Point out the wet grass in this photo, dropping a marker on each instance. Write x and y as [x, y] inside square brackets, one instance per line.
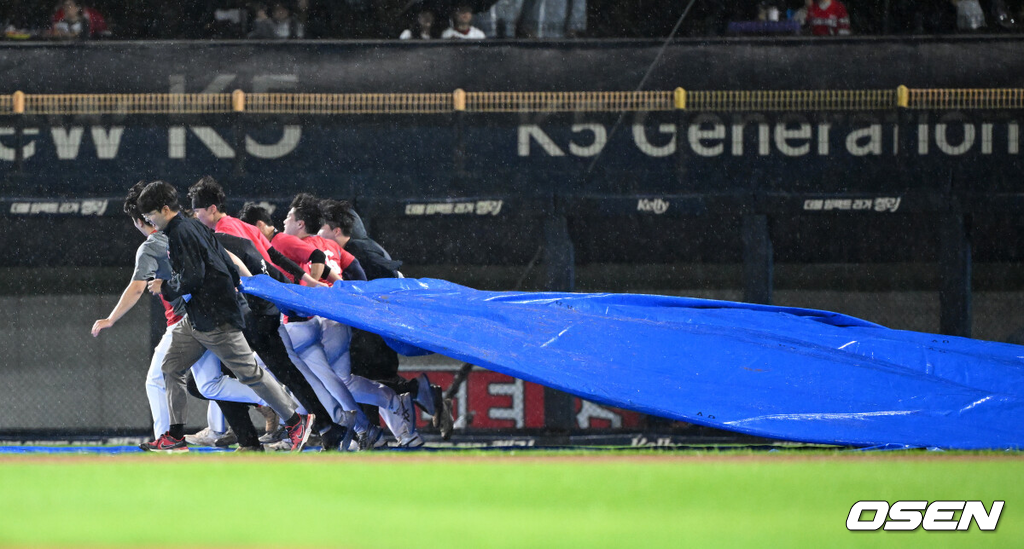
[734, 498]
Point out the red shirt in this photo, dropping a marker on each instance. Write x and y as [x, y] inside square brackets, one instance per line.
[97, 24]
[830, 21]
[293, 248]
[337, 259]
[236, 227]
[169, 312]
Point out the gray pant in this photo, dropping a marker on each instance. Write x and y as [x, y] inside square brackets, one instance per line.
[228, 343]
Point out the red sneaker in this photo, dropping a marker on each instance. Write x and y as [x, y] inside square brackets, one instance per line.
[300, 433]
[166, 443]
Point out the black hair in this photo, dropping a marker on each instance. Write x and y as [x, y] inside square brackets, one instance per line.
[156, 195]
[307, 210]
[131, 202]
[207, 192]
[417, 30]
[338, 215]
[253, 212]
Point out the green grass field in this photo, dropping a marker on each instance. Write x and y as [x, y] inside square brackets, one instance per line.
[488, 499]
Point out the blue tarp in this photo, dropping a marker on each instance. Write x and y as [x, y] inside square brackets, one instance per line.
[783, 373]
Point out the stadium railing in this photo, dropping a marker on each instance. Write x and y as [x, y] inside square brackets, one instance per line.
[510, 102]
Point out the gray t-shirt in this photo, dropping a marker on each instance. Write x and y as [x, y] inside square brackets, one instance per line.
[151, 258]
[151, 261]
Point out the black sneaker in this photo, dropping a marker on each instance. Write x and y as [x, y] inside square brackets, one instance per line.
[277, 435]
[446, 422]
[437, 395]
[336, 438]
[368, 439]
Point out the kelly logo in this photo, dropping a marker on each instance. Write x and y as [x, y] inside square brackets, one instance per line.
[936, 516]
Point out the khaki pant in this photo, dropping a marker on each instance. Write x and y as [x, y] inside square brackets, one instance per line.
[228, 343]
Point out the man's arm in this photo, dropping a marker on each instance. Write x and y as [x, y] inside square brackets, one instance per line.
[292, 268]
[354, 271]
[317, 263]
[286, 265]
[129, 298]
[330, 275]
[242, 269]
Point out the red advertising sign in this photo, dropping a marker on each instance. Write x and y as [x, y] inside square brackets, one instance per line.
[489, 400]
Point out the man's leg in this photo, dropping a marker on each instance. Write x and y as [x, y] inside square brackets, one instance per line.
[215, 417]
[372, 358]
[235, 413]
[229, 344]
[265, 339]
[182, 353]
[231, 348]
[305, 338]
[156, 392]
[398, 414]
[214, 384]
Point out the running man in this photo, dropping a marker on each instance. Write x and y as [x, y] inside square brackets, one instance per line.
[202, 269]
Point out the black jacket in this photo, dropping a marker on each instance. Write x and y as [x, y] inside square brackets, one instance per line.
[203, 270]
[251, 258]
[373, 258]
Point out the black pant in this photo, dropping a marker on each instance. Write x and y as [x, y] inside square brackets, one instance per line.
[372, 358]
[235, 413]
[261, 331]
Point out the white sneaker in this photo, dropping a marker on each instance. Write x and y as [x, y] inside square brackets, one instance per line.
[206, 437]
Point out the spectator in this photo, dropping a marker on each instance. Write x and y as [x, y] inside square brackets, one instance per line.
[227, 20]
[72, 22]
[1001, 16]
[279, 25]
[828, 18]
[501, 20]
[423, 29]
[301, 17]
[767, 11]
[801, 14]
[462, 25]
[553, 18]
[969, 15]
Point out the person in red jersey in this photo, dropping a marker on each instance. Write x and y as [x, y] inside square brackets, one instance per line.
[304, 333]
[267, 338]
[208, 205]
[310, 258]
[828, 18]
[304, 220]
